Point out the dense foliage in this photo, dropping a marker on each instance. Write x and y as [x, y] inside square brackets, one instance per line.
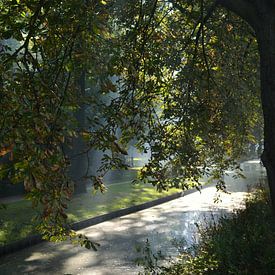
[177, 78]
[186, 96]
[43, 57]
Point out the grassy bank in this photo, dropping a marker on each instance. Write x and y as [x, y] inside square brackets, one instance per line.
[243, 243]
[16, 222]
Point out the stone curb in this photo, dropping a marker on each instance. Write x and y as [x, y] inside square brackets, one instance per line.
[35, 239]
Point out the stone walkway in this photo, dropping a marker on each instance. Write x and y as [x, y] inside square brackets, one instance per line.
[120, 237]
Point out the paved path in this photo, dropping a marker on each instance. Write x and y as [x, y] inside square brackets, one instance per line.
[119, 237]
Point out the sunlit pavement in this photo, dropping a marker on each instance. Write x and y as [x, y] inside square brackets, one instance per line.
[119, 238]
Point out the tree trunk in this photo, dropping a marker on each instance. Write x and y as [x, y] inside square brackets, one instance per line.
[265, 32]
[79, 161]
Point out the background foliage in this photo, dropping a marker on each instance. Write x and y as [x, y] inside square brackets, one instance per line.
[177, 78]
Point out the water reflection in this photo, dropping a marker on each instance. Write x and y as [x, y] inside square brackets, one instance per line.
[181, 230]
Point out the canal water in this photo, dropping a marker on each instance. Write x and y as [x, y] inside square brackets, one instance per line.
[169, 228]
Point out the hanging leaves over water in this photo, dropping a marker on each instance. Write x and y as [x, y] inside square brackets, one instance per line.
[177, 78]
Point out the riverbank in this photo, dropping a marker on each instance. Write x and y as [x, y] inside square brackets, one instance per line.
[119, 238]
[242, 243]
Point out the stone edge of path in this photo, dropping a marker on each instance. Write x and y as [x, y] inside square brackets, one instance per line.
[35, 239]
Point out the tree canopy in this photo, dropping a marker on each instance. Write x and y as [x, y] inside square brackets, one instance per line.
[180, 78]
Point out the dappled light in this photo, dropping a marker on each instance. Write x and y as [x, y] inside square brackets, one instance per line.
[140, 123]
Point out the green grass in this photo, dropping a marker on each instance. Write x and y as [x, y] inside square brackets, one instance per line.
[16, 221]
[117, 196]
